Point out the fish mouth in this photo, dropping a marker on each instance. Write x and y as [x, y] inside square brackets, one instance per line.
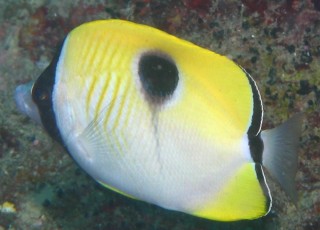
[24, 102]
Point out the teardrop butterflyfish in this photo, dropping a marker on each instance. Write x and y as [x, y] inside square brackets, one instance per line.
[162, 120]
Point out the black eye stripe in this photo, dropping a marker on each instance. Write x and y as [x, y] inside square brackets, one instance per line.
[42, 96]
[158, 75]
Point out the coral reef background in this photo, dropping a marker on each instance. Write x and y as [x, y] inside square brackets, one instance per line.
[276, 41]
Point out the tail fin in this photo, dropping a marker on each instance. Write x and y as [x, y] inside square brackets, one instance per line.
[280, 155]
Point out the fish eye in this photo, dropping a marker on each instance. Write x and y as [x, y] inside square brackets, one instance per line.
[40, 95]
[158, 74]
[43, 96]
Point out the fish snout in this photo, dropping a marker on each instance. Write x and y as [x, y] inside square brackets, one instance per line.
[24, 102]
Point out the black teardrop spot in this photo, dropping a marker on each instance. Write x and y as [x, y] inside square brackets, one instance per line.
[159, 76]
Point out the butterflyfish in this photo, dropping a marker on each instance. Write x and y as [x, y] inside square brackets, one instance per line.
[162, 120]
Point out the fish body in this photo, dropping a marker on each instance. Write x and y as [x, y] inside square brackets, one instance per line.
[159, 119]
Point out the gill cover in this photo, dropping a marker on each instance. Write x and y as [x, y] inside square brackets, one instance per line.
[159, 119]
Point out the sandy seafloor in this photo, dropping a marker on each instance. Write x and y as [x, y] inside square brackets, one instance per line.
[277, 41]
